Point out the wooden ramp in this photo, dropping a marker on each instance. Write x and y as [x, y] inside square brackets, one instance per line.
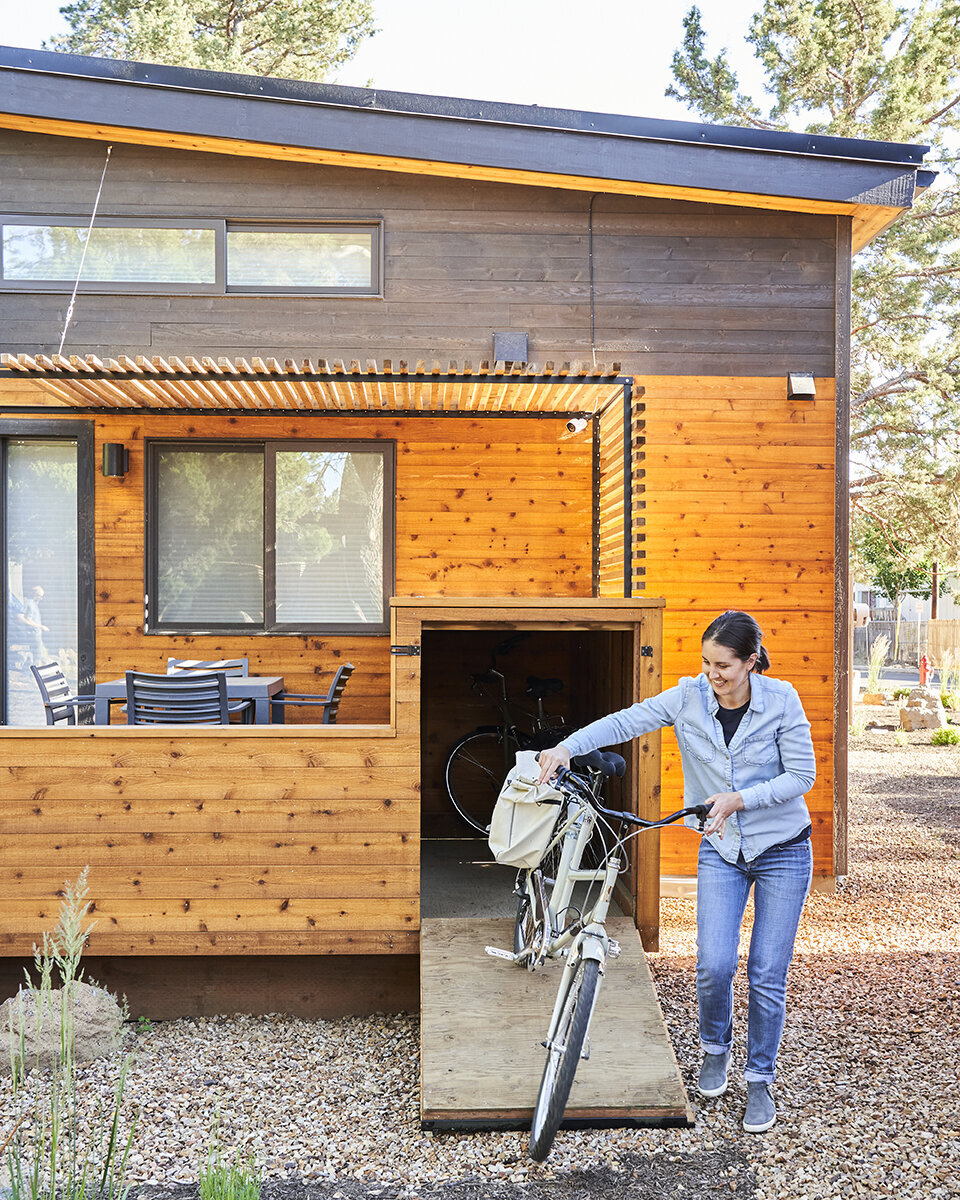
[483, 1019]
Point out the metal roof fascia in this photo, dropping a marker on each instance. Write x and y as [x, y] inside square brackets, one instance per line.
[371, 134]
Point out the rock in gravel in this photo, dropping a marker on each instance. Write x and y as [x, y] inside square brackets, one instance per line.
[34, 1021]
[923, 710]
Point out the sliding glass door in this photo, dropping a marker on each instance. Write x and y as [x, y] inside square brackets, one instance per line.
[47, 560]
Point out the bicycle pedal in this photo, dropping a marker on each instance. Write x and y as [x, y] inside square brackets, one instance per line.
[496, 952]
[614, 949]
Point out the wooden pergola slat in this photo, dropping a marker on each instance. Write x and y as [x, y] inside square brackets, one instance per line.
[266, 384]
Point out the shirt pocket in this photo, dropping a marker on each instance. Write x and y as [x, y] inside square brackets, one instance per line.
[696, 742]
[760, 750]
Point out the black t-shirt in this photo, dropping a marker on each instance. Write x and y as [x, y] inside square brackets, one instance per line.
[730, 719]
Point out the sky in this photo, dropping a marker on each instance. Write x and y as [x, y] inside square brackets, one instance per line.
[597, 55]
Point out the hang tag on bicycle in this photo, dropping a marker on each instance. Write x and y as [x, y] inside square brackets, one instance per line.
[496, 952]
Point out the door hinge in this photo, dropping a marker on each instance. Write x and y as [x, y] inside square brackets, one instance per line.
[646, 652]
[412, 651]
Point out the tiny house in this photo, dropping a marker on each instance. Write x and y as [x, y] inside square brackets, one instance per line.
[307, 375]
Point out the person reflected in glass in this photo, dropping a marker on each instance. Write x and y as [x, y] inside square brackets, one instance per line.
[32, 621]
[747, 754]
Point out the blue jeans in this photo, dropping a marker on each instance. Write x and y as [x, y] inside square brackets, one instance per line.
[781, 877]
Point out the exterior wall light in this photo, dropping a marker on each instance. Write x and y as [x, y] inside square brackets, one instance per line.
[800, 386]
[116, 459]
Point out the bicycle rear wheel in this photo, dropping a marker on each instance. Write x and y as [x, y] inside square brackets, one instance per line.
[563, 1057]
[474, 774]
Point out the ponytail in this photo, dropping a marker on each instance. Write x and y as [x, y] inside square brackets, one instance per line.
[739, 632]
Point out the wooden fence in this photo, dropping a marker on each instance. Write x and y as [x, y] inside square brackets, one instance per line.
[942, 637]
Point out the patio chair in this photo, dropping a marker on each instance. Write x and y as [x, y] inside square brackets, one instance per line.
[190, 699]
[330, 703]
[58, 703]
[234, 667]
[229, 666]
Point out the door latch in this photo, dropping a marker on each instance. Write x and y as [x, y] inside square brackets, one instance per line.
[412, 651]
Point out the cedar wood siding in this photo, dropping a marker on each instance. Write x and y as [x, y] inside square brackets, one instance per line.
[708, 307]
[680, 288]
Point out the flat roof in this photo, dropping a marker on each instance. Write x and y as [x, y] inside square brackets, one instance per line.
[75, 95]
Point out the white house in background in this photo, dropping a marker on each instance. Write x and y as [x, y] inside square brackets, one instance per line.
[881, 607]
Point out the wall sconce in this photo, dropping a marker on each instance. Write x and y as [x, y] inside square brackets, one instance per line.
[116, 459]
[800, 386]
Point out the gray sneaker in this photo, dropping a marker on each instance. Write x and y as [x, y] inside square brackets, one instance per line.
[761, 1111]
[713, 1074]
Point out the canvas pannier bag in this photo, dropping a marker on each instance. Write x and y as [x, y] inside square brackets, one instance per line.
[524, 815]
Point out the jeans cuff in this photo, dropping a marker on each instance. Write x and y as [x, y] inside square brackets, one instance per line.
[759, 1076]
[713, 1048]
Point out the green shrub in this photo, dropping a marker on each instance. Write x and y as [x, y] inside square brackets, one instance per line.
[950, 699]
[858, 727]
[900, 737]
[946, 737]
[232, 1180]
[901, 693]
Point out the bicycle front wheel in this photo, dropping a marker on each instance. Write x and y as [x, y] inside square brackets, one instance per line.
[563, 1057]
[474, 774]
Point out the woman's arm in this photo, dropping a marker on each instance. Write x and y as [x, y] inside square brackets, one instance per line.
[796, 755]
[614, 730]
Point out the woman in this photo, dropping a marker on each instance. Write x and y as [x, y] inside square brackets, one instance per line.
[747, 753]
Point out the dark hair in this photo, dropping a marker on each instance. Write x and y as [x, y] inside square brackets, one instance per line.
[739, 632]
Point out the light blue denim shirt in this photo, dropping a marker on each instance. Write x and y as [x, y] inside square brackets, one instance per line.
[769, 761]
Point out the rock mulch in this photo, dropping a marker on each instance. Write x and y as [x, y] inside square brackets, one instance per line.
[868, 1071]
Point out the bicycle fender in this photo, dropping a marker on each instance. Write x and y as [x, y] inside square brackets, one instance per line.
[594, 946]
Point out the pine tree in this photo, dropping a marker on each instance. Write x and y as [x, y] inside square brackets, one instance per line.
[873, 69]
[300, 39]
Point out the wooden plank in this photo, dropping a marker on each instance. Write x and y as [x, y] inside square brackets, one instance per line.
[332, 881]
[173, 945]
[200, 914]
[479, 1013]
[70, 852]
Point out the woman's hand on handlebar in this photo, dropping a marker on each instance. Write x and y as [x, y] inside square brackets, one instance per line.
[721, 805]
[551, 761]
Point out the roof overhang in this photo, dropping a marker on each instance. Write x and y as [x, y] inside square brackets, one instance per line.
[235, 385]
[145, 104]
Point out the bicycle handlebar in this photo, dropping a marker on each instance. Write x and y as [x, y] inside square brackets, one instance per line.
[583, 790]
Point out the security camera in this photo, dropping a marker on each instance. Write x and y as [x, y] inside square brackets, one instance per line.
[576, 425]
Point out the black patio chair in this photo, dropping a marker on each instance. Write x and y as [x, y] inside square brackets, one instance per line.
[58, 702]
[193, 699]
[330, 703]
[232, 667]
[229, 666]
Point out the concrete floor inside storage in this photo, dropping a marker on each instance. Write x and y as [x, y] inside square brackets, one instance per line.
[458, 878]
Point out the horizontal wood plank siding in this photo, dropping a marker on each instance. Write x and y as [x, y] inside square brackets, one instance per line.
[738, 510]
[213, 845]
[678, 287]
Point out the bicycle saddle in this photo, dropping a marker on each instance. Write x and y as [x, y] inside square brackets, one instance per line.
[540, 688]
[604, 761]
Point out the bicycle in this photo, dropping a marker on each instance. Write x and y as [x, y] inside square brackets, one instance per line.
[552, 926]
[478, 762]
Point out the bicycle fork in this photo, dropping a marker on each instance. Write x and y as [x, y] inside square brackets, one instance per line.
[591, 943]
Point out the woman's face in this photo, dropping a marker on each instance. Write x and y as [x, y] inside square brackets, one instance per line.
[728, 675]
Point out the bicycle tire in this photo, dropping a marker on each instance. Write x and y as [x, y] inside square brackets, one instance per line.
[563, 1058]
[474, 774]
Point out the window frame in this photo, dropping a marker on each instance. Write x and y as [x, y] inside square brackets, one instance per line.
[251, 226]
[222, 228]
[268, 449]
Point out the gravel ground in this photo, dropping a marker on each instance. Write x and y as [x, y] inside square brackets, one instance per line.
[868, 1080]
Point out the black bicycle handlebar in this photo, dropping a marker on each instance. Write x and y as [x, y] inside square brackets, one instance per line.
[582, 788]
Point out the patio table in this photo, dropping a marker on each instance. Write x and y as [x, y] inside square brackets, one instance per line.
[258, 688]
